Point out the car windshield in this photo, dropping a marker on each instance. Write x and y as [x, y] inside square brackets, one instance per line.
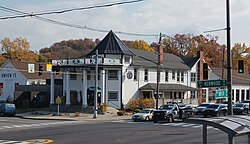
[145, 111]
[203, 105]
[213, 106]
[181, 106]
[10, 105]
[167, 107]
[238, 105]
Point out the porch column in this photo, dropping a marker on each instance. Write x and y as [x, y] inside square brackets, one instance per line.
[67, 89]
[52, 88]
[84, 89]
[102, 80]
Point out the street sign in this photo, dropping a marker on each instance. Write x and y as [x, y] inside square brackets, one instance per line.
[219, 94]
[212, 83]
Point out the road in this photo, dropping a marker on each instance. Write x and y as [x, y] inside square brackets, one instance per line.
[112, 132]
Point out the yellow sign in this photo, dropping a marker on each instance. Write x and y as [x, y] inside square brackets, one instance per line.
[58, 100]
[48, 67]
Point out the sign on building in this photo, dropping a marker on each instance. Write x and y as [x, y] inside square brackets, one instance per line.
[31, 68]
[49, 67]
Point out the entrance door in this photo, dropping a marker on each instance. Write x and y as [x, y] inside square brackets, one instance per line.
[90, 97]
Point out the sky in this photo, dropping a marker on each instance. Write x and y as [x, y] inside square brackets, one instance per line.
[149, 17]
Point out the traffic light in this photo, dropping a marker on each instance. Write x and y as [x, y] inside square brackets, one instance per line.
[205, 71]
[40, 70]
[240, 66]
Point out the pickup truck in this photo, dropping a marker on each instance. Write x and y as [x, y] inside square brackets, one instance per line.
[169, 112]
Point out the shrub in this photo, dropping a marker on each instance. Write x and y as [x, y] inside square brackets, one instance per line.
[141, 103]
[137, 110]
[120, 113]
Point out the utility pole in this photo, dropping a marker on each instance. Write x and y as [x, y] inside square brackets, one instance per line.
[229, 63]
[96, 79]
[158, 71]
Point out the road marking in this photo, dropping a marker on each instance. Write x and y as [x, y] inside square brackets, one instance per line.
[40, 124]
[14, 142]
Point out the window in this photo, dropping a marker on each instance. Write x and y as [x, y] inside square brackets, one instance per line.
[247, 95]
[146, 75]
[73, 76]
[173, 75]
[182, 76]
[242, 95]
[237, 95]
[178, 76]
[166, 76]
[193, 77]
[113, 75]
[135, 74]
[88, 75]
[113, 96]
[127, 59]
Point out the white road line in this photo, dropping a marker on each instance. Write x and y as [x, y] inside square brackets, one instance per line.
[13, 142]
[39, 124]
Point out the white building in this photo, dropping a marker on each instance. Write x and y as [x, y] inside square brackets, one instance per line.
[240, 84]
[125, 73]
[15, 74]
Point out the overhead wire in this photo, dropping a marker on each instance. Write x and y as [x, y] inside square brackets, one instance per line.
[70, 10]
[71, 25]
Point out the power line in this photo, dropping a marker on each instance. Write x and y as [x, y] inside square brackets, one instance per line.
[70, 25]
[70, 10]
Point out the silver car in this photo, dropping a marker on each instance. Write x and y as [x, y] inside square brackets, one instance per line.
[144, 115]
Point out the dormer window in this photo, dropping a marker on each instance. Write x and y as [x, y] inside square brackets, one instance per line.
[127, 59]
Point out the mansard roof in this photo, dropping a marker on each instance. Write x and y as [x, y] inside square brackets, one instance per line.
[111, 44]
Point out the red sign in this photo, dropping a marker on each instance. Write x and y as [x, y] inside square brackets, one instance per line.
[1, 89]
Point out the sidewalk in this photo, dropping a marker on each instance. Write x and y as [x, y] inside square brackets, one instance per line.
[46, 115]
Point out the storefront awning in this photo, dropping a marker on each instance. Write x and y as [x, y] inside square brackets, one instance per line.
[167, 87]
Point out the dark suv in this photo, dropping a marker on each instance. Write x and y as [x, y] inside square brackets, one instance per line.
[215, 110]
[240, 108]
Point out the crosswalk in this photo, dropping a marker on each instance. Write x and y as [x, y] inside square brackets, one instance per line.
[37, 125]
[14, 142]
[175, 124]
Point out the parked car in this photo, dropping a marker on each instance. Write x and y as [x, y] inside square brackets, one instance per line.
[7, 109]
[215, 110]
[144, 115]
[199, 110]
[248, 102]
[187, 109]
[241, 108]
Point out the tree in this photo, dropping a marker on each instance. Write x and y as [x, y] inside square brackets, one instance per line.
[141, 45]
[240, 51]
[18, 50]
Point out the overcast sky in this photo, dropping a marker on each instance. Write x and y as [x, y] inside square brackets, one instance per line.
[147, 17]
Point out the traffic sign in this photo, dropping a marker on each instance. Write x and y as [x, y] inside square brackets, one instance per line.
[219, 94]
[211, 83]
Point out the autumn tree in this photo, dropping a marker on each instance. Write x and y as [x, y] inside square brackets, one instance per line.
[141, 45]
[18, 50]
[240, 51]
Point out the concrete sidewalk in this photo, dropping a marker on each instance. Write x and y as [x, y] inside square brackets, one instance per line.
[46, 115]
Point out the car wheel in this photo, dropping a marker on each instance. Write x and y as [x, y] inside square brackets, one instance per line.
[218, 114]
[204, 115]
[147, 118]
[225, 114]
[170, 119]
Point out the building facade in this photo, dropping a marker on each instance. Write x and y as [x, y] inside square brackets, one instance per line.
[124, 74]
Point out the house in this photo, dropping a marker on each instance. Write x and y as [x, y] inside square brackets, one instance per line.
[240, 84]
[22, 83]
[123, 74]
